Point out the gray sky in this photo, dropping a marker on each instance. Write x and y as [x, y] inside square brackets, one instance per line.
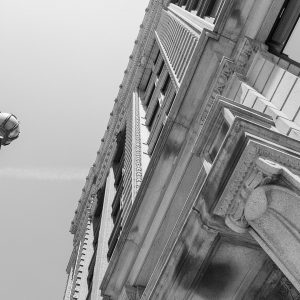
[61, 62]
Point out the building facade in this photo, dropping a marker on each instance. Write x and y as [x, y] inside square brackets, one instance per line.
[195, 191]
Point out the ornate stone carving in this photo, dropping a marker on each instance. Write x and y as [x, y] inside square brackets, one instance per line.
[245, 55]
[258, 168]
[235, 218]
[138, 147]
[223, 76]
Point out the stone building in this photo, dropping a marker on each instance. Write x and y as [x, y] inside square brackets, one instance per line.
[195, 191]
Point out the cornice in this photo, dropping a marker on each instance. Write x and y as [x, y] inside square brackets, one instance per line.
[117, 117]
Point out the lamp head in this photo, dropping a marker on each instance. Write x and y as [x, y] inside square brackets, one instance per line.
[9, 128]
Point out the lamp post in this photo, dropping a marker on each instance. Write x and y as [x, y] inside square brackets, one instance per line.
[9, 128]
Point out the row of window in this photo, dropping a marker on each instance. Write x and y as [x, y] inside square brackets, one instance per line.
[151, 86]
[157, 95]
[96, 228]
[116, 212]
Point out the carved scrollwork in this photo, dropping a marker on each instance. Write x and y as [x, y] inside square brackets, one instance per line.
[226, 70]
[246, 54]
[264, 172]
[138, 147]
[235, 218]
[224, 77]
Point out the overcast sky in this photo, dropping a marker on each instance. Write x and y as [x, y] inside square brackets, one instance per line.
[61, 62]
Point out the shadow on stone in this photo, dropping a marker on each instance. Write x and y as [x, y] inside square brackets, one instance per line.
[211, 284]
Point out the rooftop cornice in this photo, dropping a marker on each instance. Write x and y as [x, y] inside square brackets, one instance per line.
[117, 117]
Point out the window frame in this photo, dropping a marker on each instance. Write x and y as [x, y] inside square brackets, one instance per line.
[283, 28]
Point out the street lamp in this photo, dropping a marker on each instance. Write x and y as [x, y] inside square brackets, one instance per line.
[9, 128]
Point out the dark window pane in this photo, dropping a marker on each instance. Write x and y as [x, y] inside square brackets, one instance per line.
[166, 85]
[284, 26]
[155, 111]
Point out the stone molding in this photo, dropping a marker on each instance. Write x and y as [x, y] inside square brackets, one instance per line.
[246, 54]
[225, 110]
[219, 84]
[81, 264]
[239, 66]
[137, 147]
[127, 169]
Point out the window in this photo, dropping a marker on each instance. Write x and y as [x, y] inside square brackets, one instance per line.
[154, 113]
[193, 6]
[218, 141]
[164, 90]
[156, 58]
[170, 104]
[206, 9]
[160, 69]
[116, 213]
[213, 8]
[283, 37]
[97, 215]
[148, 81]
[166, 85]
[96, 227]
[118, 161]
[183, 3]
[150, 95]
